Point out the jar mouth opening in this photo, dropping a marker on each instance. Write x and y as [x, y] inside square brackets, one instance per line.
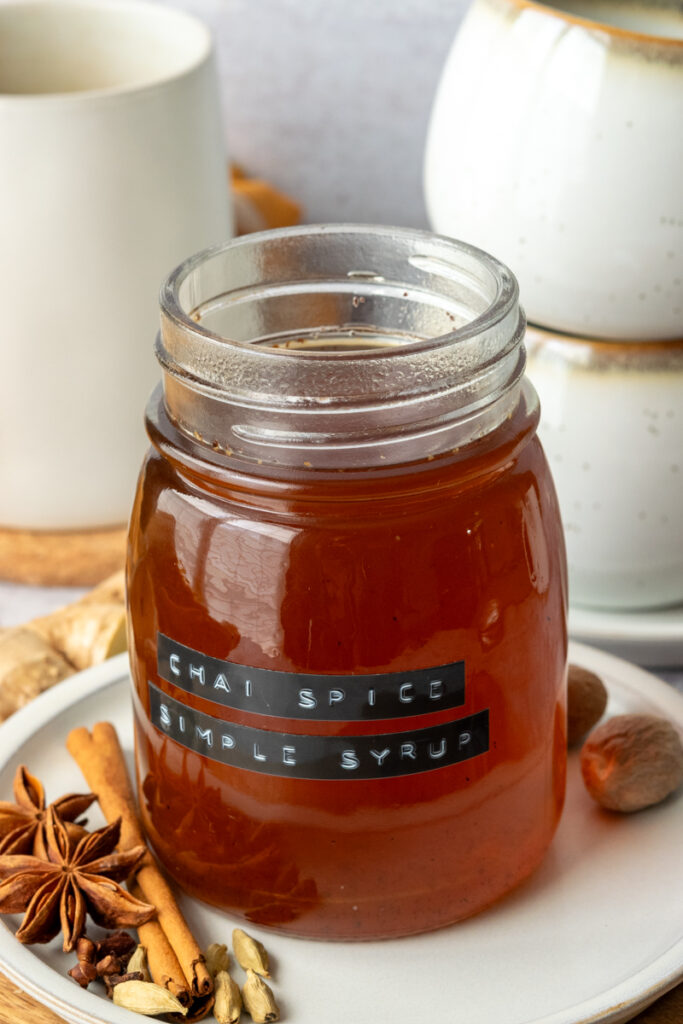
[333, 273]
[351, 342]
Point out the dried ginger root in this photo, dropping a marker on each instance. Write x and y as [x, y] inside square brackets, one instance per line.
[28, 665]
[112, 590]
[41, 653]
[85, 633]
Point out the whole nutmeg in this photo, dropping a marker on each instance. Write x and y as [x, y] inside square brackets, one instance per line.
[632, 761]
[586, 702]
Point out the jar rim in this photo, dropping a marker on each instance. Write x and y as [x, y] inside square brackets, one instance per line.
[426, 335]
[504, 301]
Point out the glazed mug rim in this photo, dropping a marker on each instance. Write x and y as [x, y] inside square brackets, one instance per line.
[605, 345]
[617, 31]
[190, 50]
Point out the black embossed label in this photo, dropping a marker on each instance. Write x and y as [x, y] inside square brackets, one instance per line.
[347, 698]
[320, 757]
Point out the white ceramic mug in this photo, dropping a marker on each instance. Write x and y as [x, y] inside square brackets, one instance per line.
[556, 143]
[112, 171]
[612, 429]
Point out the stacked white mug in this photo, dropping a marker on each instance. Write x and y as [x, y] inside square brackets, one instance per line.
[556, 143]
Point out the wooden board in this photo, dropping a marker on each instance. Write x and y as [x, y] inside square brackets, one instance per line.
[18, 1008]
[63, 559]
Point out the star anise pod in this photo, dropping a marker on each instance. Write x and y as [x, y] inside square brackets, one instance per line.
[22, 824]
[77, 878]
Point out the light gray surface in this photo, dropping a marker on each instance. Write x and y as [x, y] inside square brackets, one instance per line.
[330, 99]
[19, 604]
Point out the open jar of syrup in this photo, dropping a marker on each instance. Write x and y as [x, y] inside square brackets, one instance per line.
[346, 584]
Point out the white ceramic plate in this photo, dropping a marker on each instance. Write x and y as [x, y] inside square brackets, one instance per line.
[595, 935]
[653, 638]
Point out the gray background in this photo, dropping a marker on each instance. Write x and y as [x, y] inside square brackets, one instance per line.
[330, 99]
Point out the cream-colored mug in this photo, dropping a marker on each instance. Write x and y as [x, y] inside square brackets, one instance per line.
[611, 428]
[556, 142]
[112, 171]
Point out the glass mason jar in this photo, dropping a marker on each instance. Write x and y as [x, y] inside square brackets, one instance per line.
[347, 586]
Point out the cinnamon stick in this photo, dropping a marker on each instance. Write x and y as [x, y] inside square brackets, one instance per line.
[166, 971]
[161, 960]
[101, 760]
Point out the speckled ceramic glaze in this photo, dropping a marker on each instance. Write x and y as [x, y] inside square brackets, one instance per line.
[556, 142]
[612, 428]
